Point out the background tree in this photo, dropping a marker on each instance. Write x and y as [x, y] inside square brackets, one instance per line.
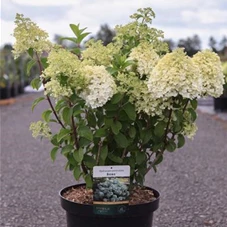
[171, 44]
[192, 45]
[212, 44]
[223, 43]
[106, 34]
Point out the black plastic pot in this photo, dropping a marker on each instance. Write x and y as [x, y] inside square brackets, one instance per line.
[5, 93]
[81, 215]
[14, 90]
[220, 104]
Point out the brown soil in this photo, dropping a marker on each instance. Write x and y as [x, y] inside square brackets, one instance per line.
[85, 196]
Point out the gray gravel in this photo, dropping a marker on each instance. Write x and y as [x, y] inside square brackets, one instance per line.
[192, 181]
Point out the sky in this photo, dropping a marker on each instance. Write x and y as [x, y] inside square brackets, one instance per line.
[177, 18]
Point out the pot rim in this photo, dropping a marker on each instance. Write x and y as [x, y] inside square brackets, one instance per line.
[156, 195]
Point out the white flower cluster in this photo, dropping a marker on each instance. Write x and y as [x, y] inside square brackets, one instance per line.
[190, 130]
[29, 35]
[175, 74]
[40, 128]
[211, 72]
[61, 62]
[101, 86]
[56, 90]
[146, 58]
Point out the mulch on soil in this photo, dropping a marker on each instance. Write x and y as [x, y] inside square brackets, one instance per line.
[85, 196]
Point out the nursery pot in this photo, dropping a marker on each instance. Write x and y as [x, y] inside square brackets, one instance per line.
[220, 104]
[5, 93]
[82, 215]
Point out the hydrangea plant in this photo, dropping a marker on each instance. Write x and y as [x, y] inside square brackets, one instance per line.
[127, 103]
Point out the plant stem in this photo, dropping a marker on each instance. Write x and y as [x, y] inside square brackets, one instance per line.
[124, 153]
[99, 152]
[47, 96]
[165, 142]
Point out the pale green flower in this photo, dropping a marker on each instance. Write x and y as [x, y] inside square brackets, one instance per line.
[145, 57]
[211, 72]
[56, 90]
[29, 35]
[139, 95]
[61, 62]
[175, 74]
[101, 86]
[142, 33]
[224, 68]
[40, 128]
[190, 130]
[97, 54]
[63, 73]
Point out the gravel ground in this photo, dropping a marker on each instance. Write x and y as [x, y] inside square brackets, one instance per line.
[192, 181]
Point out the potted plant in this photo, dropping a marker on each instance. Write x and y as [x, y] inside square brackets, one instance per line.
[127, 103]
[4, 79]
[220, 103]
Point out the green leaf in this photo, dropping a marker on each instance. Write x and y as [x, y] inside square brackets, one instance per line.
[181, 141]
[67, 149]
[53, 153]
[159, 129]
[108, 122]
[89, 161]
[85, 132]
[159, 160]
[104, 152]
[171, 146]
[60, 104]
[132, 132]
[77, 110]
[82, 36]
[83, 142]
[29, 66]
[130, 110]
[54, 140]
[70, 39]
[36, 101]
[116, 127]
[114, 158]
[62, 134]
[36, 83]
[194, 103]
[72, 161]
[178, 115]
[157, 146]
[176, 127]
[44, 62]
[121, 140]
[117, 98]
[101, 132]
[88, 180]
[46, 115]
[140, 157]
[147, 135]
[67, 114]
[91, 119]
[78, 155]
[193, 114]
[75, 29]
[77, 172]
[132, 162]
[31, 52]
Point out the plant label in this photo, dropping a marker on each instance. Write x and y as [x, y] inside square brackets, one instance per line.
[110, 189]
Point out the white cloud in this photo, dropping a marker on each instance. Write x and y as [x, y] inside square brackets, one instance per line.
[209, 16]
[6, 32]
[44, 2]
[178, 19]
